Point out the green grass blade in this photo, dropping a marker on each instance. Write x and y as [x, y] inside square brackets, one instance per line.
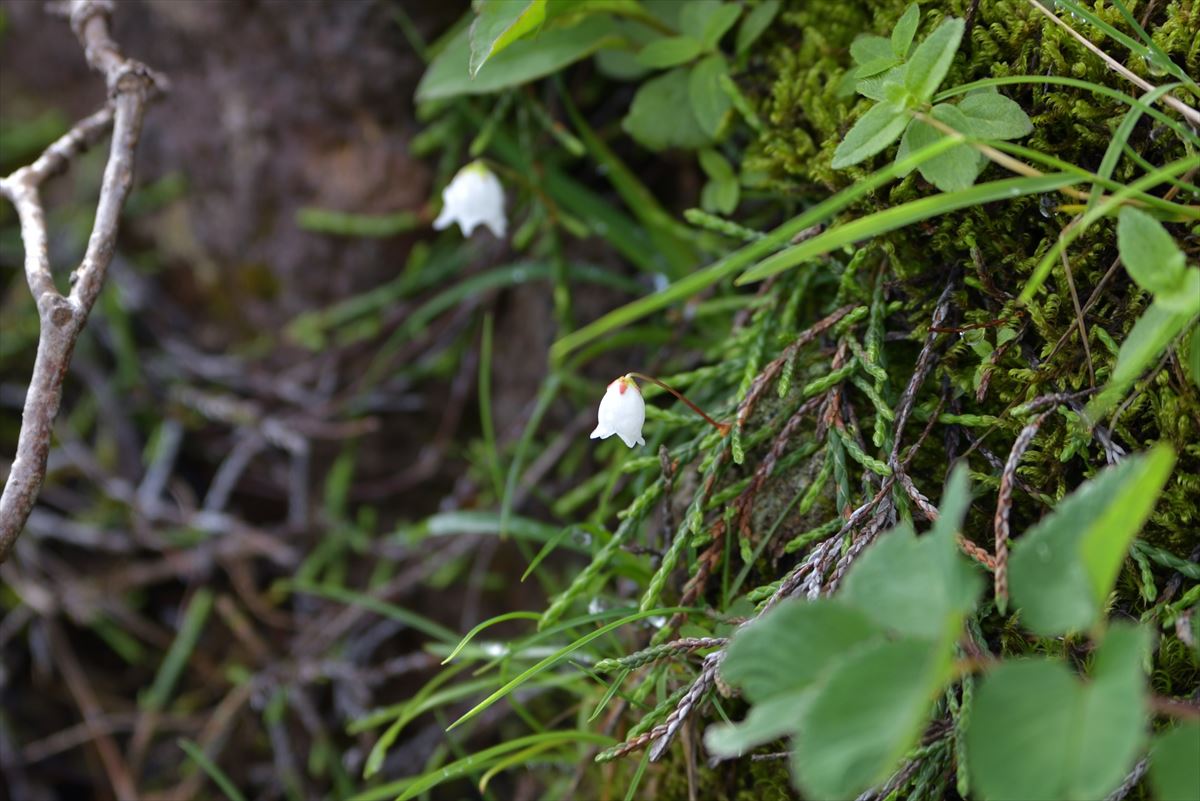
[557, 657]
[905, 214]
[180, 651]
[217, 775]
[470, 635]
[745, 256]
[418, 622]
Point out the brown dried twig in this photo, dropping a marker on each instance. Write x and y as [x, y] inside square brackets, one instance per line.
[131, 85]
[1004, 504]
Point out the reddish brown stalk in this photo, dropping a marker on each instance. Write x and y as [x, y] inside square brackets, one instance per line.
[722, 427]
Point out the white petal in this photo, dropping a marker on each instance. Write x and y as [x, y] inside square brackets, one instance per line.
[474, 197]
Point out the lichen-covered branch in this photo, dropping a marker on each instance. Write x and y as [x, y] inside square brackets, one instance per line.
[131, 85]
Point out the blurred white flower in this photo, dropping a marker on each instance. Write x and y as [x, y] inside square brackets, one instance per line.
[474, 197]
[622, 412]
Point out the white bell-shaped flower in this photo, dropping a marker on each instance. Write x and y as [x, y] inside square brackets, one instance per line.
[622, 412]
[474, 197]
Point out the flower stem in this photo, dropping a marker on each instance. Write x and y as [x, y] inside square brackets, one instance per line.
[722, 427]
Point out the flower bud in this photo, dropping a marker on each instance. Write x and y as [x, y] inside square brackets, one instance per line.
[472, 198]
[622, 412]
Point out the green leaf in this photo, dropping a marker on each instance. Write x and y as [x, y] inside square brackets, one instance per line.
[872, 54]
[669, 52]
[991, 115]
[720, 194]
[661, 114]
[1151, 334]
[710, 103]
[755, 24]
[1150, 255]
[906, 28]
[498, 24]
[917, 586]
[762, 724]
[1036, 732]
[866, 716]
[813, 634]
[719, 24]
[1113, 714]
[1062, 570]
[522, 61]
[931, 60]
[886, 88]
[1174, 768]
[874, 131]
[958, 167]
[1019, 730]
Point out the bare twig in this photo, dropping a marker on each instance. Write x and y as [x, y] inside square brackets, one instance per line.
[130, 87]
[1004, 504]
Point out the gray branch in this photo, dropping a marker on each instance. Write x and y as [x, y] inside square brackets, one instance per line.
[131, 85]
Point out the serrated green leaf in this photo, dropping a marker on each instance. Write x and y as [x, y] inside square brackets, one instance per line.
[931, 60]
[498, 24]
[709, 102]
[1149, 254]
[1062, 569]
[906, 28]
[755, 24]
[661, 114]
[1174, 768]
[813, 635]
[522, 61]
[670, 51]
[954, 170]
[866, 715]
[874, 131]
[993, 116]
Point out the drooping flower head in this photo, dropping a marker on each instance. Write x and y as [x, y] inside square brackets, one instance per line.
[474, 197]
[622, 412]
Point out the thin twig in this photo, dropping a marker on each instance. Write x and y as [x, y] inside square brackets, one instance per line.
[1004, 504]
[131, 86]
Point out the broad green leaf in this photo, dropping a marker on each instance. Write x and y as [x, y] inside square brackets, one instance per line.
[755, 24]
[719, 24]
[661, 115]
[993, 116]
[1174, 767]
[868, 48]
[886, 88]
[1018, 737]
[1186, 299]
[1151, 334]
[1062, 569]
[670, 51]
[709, 102]
[763, 723]
[954, 170]
[1149, 254]
[874, 131]
[867, 714]
[906, 28]
[1037, 732]
[720, 194]
[915, 586]
[701, 19]
[813, 634]
[522, 61]
[1113, 714]
[931, 60]
[499, 23]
